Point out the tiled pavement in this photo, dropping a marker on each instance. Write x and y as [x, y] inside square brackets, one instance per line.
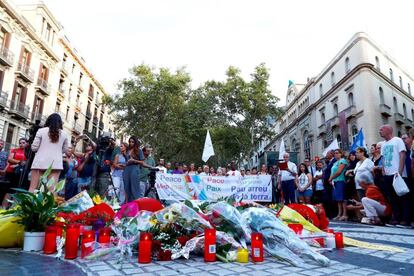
[349, 261]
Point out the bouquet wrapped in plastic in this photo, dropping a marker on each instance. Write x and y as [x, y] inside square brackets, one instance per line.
[228, 219]
[279, 240]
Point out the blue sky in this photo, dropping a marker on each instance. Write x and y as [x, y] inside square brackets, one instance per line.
[296, 39]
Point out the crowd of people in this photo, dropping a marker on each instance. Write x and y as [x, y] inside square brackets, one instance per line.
[357, 186]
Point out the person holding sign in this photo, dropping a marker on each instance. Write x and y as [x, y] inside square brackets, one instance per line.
[233, 171]
[287, 175]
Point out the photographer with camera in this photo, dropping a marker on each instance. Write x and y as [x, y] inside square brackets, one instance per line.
[143, 179]
[105, 150]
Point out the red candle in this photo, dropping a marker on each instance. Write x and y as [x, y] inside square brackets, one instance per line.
[331, 231]
[321, 241]
[104, 236]
[339, 240]
[87, 246]
[72, 240]
[210, 245]
[257, 247]
[296, 227]
[145, 248]
[50, 240]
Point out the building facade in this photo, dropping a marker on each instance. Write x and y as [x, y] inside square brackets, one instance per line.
[362, 87]
[42, 73]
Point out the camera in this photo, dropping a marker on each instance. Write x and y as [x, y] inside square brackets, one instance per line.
[103, 142]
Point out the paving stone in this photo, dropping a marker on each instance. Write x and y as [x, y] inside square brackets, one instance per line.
[176, 266]
[189, 270]
[132, 270]
[154, 268]
[100, 268]
[109, 273]
[240, 269]
[222, 272]
[169, 272]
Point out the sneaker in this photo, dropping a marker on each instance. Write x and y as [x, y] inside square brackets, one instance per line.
[403, 224]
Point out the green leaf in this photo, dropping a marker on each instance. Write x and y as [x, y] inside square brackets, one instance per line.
[60, 185]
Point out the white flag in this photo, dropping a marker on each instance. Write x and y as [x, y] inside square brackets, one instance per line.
[333, 146]
[281, 149]
[208, 148]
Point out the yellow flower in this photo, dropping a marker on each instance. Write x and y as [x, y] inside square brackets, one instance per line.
[97, 199]
[153, 221]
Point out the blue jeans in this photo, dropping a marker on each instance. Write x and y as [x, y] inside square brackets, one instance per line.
[288, 188]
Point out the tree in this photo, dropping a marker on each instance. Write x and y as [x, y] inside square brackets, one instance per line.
[160, 107]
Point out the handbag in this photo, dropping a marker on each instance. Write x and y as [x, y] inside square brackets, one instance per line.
[399, 185]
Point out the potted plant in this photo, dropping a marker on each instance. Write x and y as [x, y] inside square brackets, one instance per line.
[37, 210]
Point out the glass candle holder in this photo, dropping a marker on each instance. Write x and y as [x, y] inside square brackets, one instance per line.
[72, 241]
[145, 248]
[210, 245]
[50, 240]
[257, 247]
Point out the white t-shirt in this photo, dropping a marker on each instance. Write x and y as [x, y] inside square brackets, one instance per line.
[390, 150]
[303, 181]
[319, 182]
[285, 175]
[360, 167]
[162, 169]
[234, 173]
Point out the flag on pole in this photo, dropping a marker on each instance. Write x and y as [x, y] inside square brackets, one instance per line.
[208, 148]
[332, 146]
[359, 141]
[281, 149]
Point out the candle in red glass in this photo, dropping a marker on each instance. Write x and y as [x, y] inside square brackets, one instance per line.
[72, 240]
[87, 237]
[330, 231]
[104, 235]
[145, 248]
[257, 247]
[321, 241]
[339, 240]
[50, 240]
[210, 245]
[296, 227]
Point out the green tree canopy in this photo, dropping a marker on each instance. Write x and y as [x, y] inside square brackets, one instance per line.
[160, 107]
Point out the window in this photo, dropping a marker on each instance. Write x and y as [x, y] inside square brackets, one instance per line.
[48, 32]
[409, 88]
[4, 39]
[57, 108]
[333, 78]
[347, 65]
[377, 63]
[412, 115]
[381, 94]
[67, 113]
[401, 82]
[320, 90]
[80, 79]
[61, 84]
[37, 108]
[354, 131]
[323, 117]
[350, 99]
[405, 111]
[73, 68]
[395, 105]
[306, 144]
[19, 93]
[294, 145]
[391, 75]
[335, 109]
[43, 73]
[399, 133]
[25, 57]
[338, 138]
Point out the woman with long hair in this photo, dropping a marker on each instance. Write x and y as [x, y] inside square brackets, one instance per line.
[304, 184]
[134, 160]
[337, 180]
[119, 165]
[50, 144]
[364, 164]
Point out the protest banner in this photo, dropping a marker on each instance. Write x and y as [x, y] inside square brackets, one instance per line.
[181, 187]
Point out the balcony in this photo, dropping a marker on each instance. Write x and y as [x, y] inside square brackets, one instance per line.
[322, 129]
[95, 120]
[38, 118]
[88, 114]
[335, 121]
[352, 113]
[101, 125]
[60, 93]
[43, 87]
[90, 95]
[408, 123]
[399, 118]
[25, 72]
[19, 110]
[6, 57]
[76, 128]
[3, 99]
[385, 110]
